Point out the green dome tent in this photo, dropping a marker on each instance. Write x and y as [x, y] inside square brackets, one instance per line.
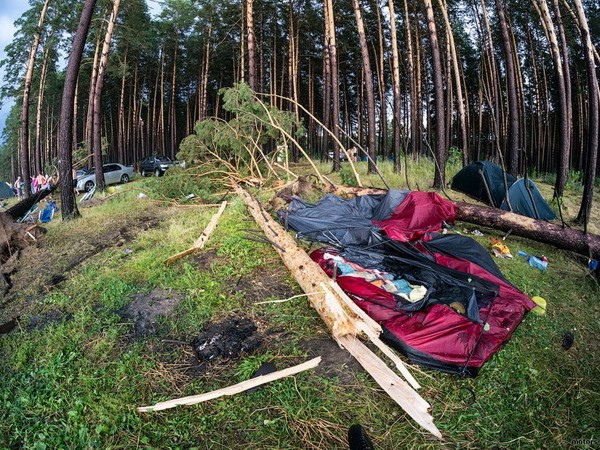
[5, 190]
[526, 199]
[484, 181]
[488, 183]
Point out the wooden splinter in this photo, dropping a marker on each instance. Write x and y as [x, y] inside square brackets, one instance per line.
[235, 389]
[201, 241]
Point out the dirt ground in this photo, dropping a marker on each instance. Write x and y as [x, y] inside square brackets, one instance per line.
[41, 265]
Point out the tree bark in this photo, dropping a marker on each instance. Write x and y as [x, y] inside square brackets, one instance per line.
[563, 154]
[460, 102]
[65, 157]
[251, 51]
[512, 150]
[593, 116]
[395, 86]
[368, 85]
[438, 83]
[98, 97]
[24, 137]
[330, 42]
[538, 230]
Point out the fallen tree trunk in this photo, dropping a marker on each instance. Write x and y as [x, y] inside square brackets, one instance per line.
[342, 316]
[18, 210]
[538, 230]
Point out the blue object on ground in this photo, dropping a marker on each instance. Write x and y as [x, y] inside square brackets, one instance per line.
[536, 262]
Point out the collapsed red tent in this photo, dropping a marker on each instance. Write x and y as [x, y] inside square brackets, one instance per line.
[440, 298]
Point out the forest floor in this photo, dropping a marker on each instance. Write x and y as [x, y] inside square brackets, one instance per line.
[97, 325]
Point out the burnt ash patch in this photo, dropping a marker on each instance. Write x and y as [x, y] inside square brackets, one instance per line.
[227, 340]
[40, 321]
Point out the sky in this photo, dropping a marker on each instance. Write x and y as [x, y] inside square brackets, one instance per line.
[10, 10]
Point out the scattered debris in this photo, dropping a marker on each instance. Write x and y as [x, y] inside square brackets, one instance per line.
[232, 390]
[539, 263]
[227, 339]
[568, 340]
[540, 309]
[500, 249]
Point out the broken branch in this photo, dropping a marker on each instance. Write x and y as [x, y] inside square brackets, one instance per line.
[201, 241]
[235, 389]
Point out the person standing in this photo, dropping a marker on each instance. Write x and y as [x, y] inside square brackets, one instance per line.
[41, 181]
[19, 185]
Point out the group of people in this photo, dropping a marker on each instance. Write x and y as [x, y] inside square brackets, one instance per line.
[39, 182]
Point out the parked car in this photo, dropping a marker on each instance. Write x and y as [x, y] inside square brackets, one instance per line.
[83, 172]
[113, 173]
[156, 165]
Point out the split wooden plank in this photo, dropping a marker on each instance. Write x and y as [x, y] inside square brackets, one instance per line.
[201, 241]
[411, 402]
[373, 330]
[342, 319]
[235, 389]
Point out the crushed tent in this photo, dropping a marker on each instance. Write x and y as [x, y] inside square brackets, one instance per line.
[488, 183]
[440, 298]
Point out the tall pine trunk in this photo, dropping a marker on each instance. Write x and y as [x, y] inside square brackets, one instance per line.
[24, 134]
[98, 97]
[65, 157]
[438, 85]
[368, 87]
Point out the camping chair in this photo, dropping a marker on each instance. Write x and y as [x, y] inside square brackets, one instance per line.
[88, 195]
[46, 214]
[28, 217]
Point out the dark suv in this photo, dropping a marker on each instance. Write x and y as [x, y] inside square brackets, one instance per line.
[156, 165]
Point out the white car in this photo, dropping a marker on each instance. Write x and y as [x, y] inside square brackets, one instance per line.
[113, 173]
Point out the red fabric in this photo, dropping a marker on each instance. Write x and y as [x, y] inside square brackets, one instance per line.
[437, 331]
[418, 214]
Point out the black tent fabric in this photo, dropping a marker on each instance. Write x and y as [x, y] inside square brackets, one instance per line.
[440, 298]
[488, 183]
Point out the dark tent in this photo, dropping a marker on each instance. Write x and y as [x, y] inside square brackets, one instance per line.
[5, 190]
[526, 199]
[479, 178]
[485, 181]
[440, 298]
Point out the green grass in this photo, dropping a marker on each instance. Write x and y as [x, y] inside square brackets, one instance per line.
[75, 382]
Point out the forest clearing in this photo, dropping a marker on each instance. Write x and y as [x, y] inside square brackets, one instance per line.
[103, 326]
[264, 225]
